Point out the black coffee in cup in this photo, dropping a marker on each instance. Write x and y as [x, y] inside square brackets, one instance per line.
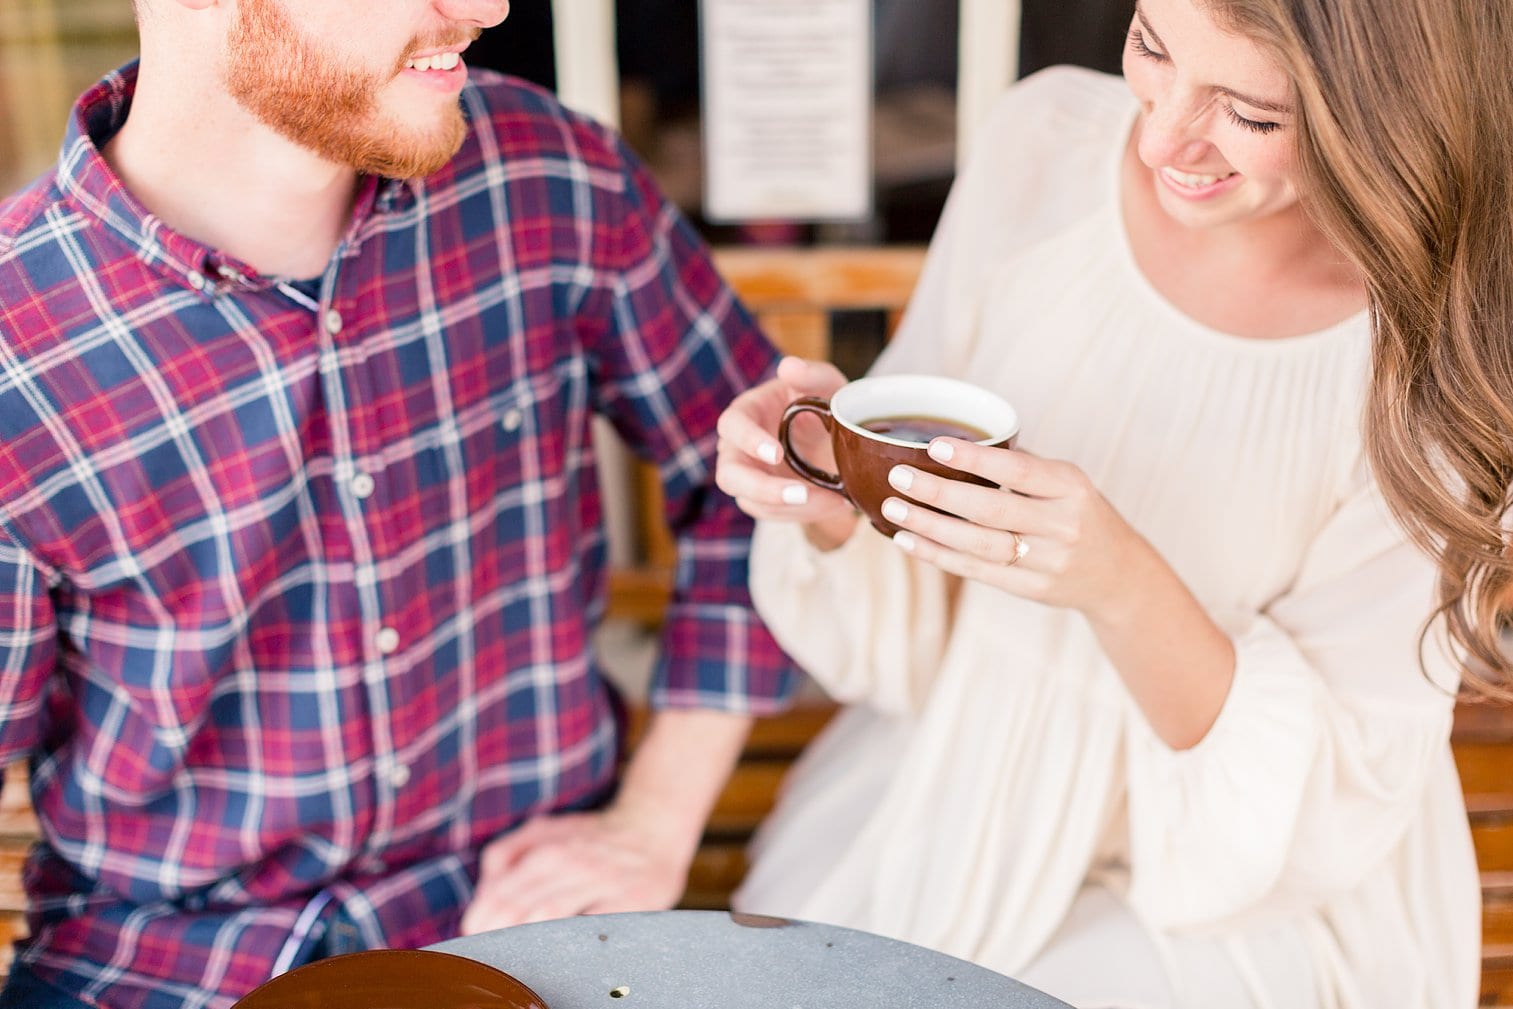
[923, 429]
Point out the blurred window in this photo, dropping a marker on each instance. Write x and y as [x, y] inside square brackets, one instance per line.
[51, 51]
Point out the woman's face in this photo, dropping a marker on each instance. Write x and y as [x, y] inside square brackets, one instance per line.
[1216, 119]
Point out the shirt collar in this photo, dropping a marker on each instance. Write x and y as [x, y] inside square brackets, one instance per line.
[87, 180]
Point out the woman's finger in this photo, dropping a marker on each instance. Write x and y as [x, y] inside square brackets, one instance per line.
[750, 422]
[760, 486]
[996, 546]
[810, 378]
[1020, 578]
[1009, 468]
[984, 506]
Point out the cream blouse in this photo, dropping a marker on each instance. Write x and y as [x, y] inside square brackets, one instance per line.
[990, 761]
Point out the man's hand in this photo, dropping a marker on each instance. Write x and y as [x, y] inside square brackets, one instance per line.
[631, 856]
[577, 863]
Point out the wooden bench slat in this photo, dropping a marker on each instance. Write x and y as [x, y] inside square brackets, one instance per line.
[747, 798]
[1497, 988]
[15, 802]
[1497, 922]
[12, 857]
[788, 734]
[1486, 723]
[836, 278]
[717, 870]
[1485, 770]
[12, 927]
[1494, 844]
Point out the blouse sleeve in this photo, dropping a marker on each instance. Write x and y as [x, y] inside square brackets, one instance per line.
[1323, 749]
[867, 622]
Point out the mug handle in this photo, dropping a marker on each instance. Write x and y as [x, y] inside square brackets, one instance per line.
[796, 462]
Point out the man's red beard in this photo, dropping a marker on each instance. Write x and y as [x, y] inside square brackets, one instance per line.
[280, 77]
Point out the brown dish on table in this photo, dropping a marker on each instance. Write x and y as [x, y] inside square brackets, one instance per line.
[393, 979]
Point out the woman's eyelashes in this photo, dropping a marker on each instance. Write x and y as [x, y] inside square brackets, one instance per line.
[1255, 126]
[1139, 45]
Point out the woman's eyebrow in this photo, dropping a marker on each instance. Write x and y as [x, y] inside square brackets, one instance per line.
[1258, 103]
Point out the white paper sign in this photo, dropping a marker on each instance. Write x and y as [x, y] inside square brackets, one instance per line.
[787, 109]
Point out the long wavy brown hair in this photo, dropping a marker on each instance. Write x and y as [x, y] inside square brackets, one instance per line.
[1405, 155]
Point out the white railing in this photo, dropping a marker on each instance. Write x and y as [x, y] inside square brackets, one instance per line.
[588, 72]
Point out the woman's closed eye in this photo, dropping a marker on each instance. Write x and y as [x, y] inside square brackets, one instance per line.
[1254, 125]
[1137, 42]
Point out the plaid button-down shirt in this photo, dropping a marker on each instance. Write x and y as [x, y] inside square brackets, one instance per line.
[296, 584]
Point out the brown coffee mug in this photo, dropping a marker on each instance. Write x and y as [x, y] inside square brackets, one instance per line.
[393, 979]
[880, 422]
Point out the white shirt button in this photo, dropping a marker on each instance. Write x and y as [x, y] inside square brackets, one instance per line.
[363, 485]
[399, 775]
[333, 322]
[197, 280]
[388, 641]
[512, 420]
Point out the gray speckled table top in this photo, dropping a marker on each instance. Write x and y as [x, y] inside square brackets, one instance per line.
[716, 960]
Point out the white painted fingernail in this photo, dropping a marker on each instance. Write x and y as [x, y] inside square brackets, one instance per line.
[901, 477]
[941, 451]
[904, 540]
[795, 494]
[895, 510]
[769, 453]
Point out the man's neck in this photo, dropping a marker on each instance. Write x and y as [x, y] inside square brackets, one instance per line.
[216, 174]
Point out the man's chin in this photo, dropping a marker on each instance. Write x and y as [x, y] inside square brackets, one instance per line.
[400, 158]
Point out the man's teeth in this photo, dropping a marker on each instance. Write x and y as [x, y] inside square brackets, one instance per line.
[441, 61]
[1193, 181]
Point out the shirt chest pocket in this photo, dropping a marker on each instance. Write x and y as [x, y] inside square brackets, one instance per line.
[525, 437]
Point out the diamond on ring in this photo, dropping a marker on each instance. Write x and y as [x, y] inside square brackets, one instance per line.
[1020, 549]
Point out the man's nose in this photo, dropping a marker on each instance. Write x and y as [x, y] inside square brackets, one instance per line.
[482, 13]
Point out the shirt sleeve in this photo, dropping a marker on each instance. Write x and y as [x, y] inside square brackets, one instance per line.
[1324, 748]
[678, 349]
[28, 645]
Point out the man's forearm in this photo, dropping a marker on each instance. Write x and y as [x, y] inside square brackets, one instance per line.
[678, 770]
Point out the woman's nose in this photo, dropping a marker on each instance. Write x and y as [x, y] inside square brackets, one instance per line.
[1172, 133]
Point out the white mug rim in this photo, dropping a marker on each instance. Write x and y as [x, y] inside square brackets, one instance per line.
[940, 385]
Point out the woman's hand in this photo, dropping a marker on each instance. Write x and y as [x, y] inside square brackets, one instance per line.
[1044, 532]
[751, 469]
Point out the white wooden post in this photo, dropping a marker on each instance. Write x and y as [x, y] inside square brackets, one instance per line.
[988, 62]
[588, 81]
[588, 71]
